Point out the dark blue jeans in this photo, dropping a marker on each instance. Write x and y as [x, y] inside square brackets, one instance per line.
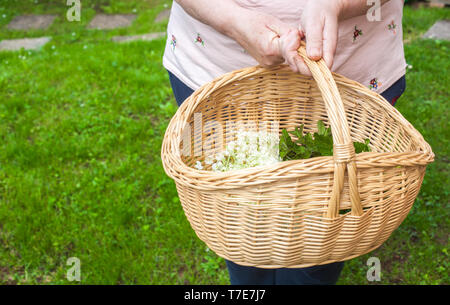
[317, 275]
[181, 91]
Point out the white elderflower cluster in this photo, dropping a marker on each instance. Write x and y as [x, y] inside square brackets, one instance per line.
[251, 148]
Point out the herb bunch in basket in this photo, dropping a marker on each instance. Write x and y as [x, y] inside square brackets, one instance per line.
[255, 148]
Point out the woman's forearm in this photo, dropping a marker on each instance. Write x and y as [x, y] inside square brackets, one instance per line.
[219, 14]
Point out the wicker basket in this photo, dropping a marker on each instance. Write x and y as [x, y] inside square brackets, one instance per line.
[303, 212]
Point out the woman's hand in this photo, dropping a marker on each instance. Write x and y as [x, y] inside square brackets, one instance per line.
[269, 40]
[319, 24]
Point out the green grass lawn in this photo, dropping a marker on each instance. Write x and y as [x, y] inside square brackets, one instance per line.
[81, 126]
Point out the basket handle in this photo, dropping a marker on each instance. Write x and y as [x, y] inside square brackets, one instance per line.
[343, 150]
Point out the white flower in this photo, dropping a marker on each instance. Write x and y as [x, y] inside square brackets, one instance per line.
[251, 148]
[198, 165]
[231, 145]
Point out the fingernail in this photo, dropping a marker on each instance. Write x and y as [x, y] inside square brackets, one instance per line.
[314, 52]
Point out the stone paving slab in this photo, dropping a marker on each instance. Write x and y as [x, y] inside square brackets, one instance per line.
[430, 3]
[439, 30]
[31, 22]
[440, 3]
[108, 22]
[146, 37]
[26, 43]
[163, 16]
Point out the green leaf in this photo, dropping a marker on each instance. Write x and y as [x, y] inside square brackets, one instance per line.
[321, 128]
[311, 145]
[362, 147]
[324, 144]
[298, 133]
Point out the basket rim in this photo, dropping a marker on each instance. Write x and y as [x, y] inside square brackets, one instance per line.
[210, 180]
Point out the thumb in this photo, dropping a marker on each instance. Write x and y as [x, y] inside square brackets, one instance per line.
[314, 38]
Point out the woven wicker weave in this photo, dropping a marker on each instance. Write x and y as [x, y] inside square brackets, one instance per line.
[303, 212]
